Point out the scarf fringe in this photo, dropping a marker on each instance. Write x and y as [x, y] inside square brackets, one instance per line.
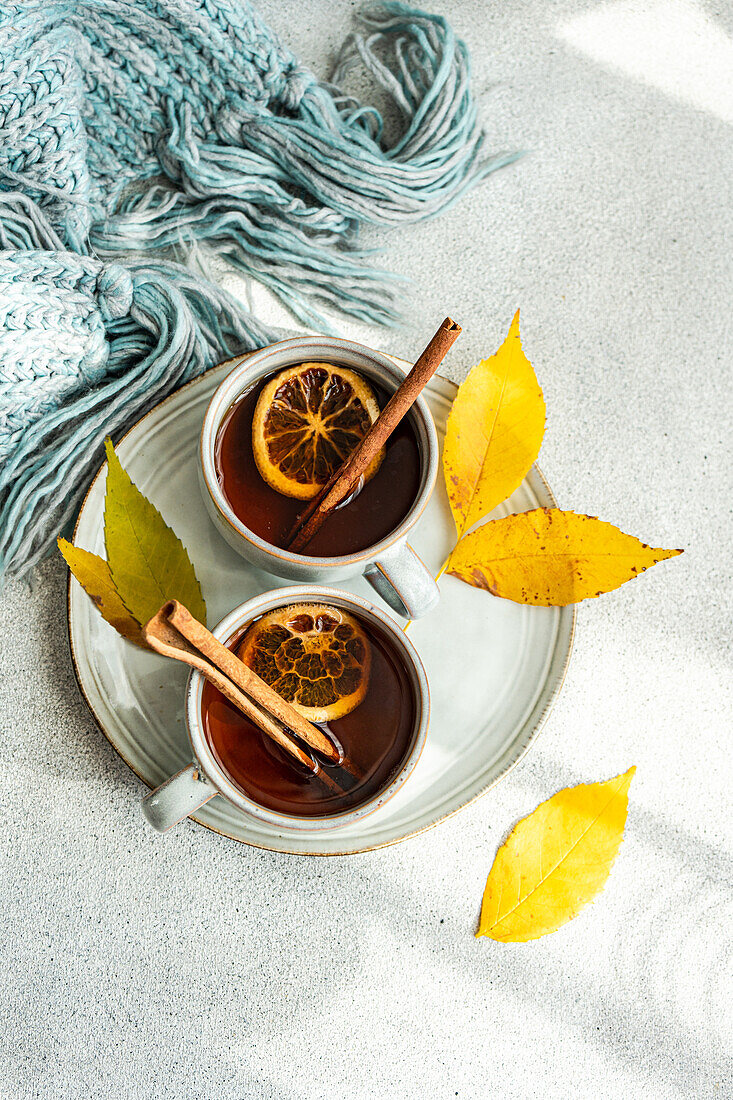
[276, 188]
[150, 327]
[281, 197]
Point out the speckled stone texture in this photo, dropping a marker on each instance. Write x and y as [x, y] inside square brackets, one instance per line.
[188, 967]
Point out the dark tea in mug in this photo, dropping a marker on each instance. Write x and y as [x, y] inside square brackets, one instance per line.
[343, 673]
[284, 437]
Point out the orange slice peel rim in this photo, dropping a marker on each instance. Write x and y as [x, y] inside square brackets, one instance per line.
[315, 656]
[307, 421]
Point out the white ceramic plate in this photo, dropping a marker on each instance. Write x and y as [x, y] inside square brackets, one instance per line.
[494, 667]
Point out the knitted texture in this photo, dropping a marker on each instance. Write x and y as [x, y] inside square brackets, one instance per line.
[137, 136]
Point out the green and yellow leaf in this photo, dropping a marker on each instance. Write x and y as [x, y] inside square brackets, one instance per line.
[494, 432]
[550, 557]
[147, 561]
[92, 573]
[555, 861]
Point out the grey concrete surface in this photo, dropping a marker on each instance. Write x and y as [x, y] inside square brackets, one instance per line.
[190, 967]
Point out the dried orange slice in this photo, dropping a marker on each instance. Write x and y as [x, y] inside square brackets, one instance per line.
[307, 421]
[317, 657]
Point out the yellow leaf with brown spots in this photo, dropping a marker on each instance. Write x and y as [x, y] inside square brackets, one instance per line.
[92, 573]
[494, 432]
[555, 861]
[550, 557]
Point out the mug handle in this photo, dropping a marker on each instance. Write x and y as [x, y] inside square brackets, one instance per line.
[178, 797]
[404, 582]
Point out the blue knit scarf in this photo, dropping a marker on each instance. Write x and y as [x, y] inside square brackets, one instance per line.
[137, 135]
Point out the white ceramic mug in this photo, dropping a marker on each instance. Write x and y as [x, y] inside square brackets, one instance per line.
[391, 566]
[191, 788]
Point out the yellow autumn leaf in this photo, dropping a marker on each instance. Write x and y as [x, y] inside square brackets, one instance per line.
[550, 557]
[555, 861]
[494, 432]
[147, 561]
[92, 573]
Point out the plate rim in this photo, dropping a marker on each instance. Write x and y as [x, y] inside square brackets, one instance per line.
[539, 725]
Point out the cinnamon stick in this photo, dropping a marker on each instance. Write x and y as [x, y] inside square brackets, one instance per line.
[247, 680]
[165, 637]
[345, 479]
